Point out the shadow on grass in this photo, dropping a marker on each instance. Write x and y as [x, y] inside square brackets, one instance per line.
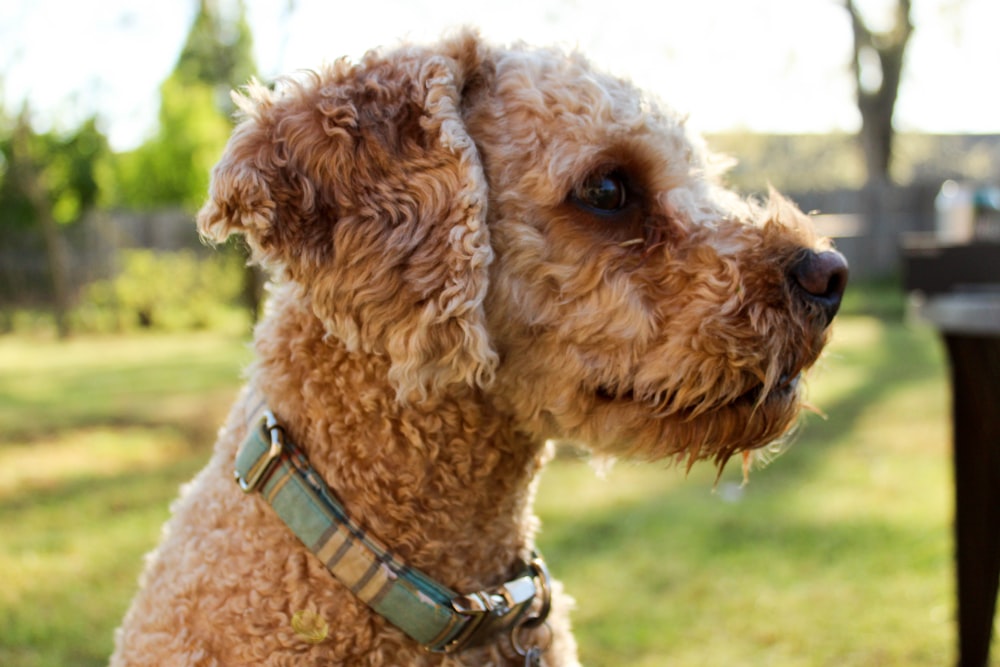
[196, 415]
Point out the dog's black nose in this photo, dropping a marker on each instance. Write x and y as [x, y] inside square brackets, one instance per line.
[821, 277]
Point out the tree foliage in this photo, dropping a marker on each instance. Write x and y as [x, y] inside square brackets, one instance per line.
[790, 162]
[218, 52]
[173, 167]
[49, 181]
[65, 168]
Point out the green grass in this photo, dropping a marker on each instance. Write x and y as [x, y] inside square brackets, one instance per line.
[151, 379]
[97, 436]
[837, 554]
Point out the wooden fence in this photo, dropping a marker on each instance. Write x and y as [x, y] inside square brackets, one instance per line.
[866, 226]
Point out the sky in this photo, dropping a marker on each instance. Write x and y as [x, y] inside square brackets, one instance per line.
[759, 65]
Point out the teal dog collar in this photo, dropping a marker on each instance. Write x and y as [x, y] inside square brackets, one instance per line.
[438, 618]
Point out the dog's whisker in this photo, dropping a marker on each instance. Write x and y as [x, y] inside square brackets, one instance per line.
[809, 407]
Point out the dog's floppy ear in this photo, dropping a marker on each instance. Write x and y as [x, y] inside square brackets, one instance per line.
[361, 185]
[239, 194]
[259, 191]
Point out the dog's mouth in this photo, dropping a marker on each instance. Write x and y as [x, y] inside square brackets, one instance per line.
[608, 395]
[666, 402]
[786, 385]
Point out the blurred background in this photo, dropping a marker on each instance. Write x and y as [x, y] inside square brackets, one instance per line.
[122, 337]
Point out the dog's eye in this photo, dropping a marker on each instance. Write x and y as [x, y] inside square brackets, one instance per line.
[602, 192]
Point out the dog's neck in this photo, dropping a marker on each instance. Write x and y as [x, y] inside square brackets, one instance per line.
[448, 486]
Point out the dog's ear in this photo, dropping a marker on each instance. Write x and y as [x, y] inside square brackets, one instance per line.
[239, 195]
[361, 185]
[256, 190]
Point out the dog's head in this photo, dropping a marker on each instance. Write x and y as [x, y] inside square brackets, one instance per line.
[517, 222]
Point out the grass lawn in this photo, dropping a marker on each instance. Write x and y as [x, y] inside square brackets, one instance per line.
[837, 554]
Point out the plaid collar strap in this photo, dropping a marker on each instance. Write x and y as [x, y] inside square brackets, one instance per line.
[432, 614]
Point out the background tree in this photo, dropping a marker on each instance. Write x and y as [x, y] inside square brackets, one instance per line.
[49, 182]
[878, 65]
[218, 52]
[173, 167]
[195, 121]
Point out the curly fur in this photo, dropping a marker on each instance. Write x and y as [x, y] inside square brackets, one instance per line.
[444, 307]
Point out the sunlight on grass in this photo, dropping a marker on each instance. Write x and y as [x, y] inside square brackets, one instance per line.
[91, 453]
[77, 514]
[151, 379]
[98, 435]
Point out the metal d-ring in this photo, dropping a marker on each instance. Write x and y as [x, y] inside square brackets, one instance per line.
[533, 654]
[541, 574]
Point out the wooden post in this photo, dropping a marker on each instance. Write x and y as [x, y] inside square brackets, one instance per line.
[975, 378]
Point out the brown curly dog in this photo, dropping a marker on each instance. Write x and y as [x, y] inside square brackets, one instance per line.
[476, 251]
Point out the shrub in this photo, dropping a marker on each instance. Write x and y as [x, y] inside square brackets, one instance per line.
[162, 290]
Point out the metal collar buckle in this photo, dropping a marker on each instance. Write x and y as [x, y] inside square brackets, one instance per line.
[500, 609]
[261, 468]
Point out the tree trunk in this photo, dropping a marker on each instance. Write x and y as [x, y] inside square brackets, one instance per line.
[877, 103]
[32, 183]
[253, 290]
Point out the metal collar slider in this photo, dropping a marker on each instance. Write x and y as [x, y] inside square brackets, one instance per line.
[500, 609]
[261, 468]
